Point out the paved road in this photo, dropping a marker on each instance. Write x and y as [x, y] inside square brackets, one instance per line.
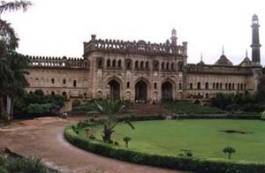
[45, 140]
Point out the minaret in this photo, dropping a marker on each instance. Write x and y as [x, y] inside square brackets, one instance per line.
[255, 40]
[174, 37]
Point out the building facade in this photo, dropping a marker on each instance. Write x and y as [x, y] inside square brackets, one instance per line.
[143, 72]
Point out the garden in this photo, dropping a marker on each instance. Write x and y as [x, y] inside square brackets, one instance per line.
[200, 145]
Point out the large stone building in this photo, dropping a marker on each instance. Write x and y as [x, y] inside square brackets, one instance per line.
[141, 71]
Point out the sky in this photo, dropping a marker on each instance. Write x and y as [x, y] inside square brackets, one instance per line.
[59, 27]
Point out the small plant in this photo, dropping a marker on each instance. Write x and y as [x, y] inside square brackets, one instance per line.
[229, 151]
[126, 139]
[186, 153]
[92, 137]
[116, 143]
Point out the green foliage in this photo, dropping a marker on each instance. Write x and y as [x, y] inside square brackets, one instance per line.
[111, 109]
[10, 164]
[186, 153]
[229, 151]
[37, 103]
[262, 117]
[173, 162]
[238, 102]
[127, 139]
[181, 107]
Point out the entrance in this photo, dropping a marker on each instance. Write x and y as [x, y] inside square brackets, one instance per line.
[167, 91]
[140, 92]
[114, 90]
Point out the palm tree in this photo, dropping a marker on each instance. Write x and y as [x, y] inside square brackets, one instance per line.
[7, 33]
[111, 109]
[229, 151]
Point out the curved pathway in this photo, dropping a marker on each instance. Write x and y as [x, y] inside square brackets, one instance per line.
[45, 140]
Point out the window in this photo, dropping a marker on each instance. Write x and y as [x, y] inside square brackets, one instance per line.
[180, 86]
[128, 84]
[52, 80]
[198, 85]
[136, 64]
[119, 63]
[142, 64]
[53, 93]
[108, 63]
[147, 65]
[191, 87]
[155, 85]
[114, 63]
[74, 83]
[206, 85]
[64, 81]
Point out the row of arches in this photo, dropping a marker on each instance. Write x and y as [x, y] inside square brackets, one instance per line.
[141, 90]
[140, 64]
[219, 86]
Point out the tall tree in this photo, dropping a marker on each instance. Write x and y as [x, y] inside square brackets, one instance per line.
[12, 79]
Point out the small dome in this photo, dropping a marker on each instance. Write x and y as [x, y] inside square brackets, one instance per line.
[246, 62]
[223, 60]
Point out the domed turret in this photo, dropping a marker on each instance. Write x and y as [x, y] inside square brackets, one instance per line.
[223, 60]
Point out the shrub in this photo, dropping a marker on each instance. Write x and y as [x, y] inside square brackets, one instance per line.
[126, 139]
[229, 151]
[182, 163]
[262, 117]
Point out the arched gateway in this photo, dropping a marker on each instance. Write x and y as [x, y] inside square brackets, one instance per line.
[114, 89]
[140, 92]
[167, 91]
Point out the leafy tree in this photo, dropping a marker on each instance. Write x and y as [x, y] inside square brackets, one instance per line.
[127, 139]
[111, 109]
[229, 151]
[12, 79]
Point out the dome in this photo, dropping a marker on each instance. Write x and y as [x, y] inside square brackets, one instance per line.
[223, 60]
[246, 62]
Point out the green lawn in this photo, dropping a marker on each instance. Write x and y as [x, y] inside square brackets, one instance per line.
[204, 137]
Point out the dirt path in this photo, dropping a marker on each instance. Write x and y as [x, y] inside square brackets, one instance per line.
[45, 140]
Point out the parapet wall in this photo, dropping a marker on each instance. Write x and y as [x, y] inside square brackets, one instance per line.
[133, 47]
[58, 62]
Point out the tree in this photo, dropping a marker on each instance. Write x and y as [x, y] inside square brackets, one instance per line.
[111, 109]
[127, 139]
[12, 64]
[229, 151]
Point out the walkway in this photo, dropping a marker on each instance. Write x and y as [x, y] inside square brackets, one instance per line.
[44, 139]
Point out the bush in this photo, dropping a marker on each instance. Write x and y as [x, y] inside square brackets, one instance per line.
[262, 117]
[182, 163]
[22, 165]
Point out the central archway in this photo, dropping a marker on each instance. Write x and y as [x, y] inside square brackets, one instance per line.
[141, 92]
[114, 89]
[167, 91]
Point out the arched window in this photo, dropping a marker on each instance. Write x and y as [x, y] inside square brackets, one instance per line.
[156, 65]
[180, 86]
[172, 67]
[99, 63]
[167, 66]
[108, 63]
[119, 63]
[74, 83]
[128, 64]
[206, 85]
[128, 84]
[221, 86]
[162, 65]
[147, 65]
[191, 87]
[198, 85]
[136, 65]
[142, 64]
[52, 80]
[52, 93]
[64, 81]
[213, 85]
[217, 86]
[155, 85]
[180, 66]
[114, 63]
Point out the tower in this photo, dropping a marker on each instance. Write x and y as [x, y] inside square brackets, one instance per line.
[255, 40]
[173, 37]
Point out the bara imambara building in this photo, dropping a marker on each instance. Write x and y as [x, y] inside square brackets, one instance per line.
[143, 72]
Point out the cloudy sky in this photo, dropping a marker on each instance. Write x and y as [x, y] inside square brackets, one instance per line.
[59, 27]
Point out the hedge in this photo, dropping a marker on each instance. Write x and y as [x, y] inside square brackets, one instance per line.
[180, 163]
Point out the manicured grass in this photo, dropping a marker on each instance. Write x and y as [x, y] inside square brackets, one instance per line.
[205, 138]
[191, 108]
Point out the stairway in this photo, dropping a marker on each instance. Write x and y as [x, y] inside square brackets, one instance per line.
[142, 109]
